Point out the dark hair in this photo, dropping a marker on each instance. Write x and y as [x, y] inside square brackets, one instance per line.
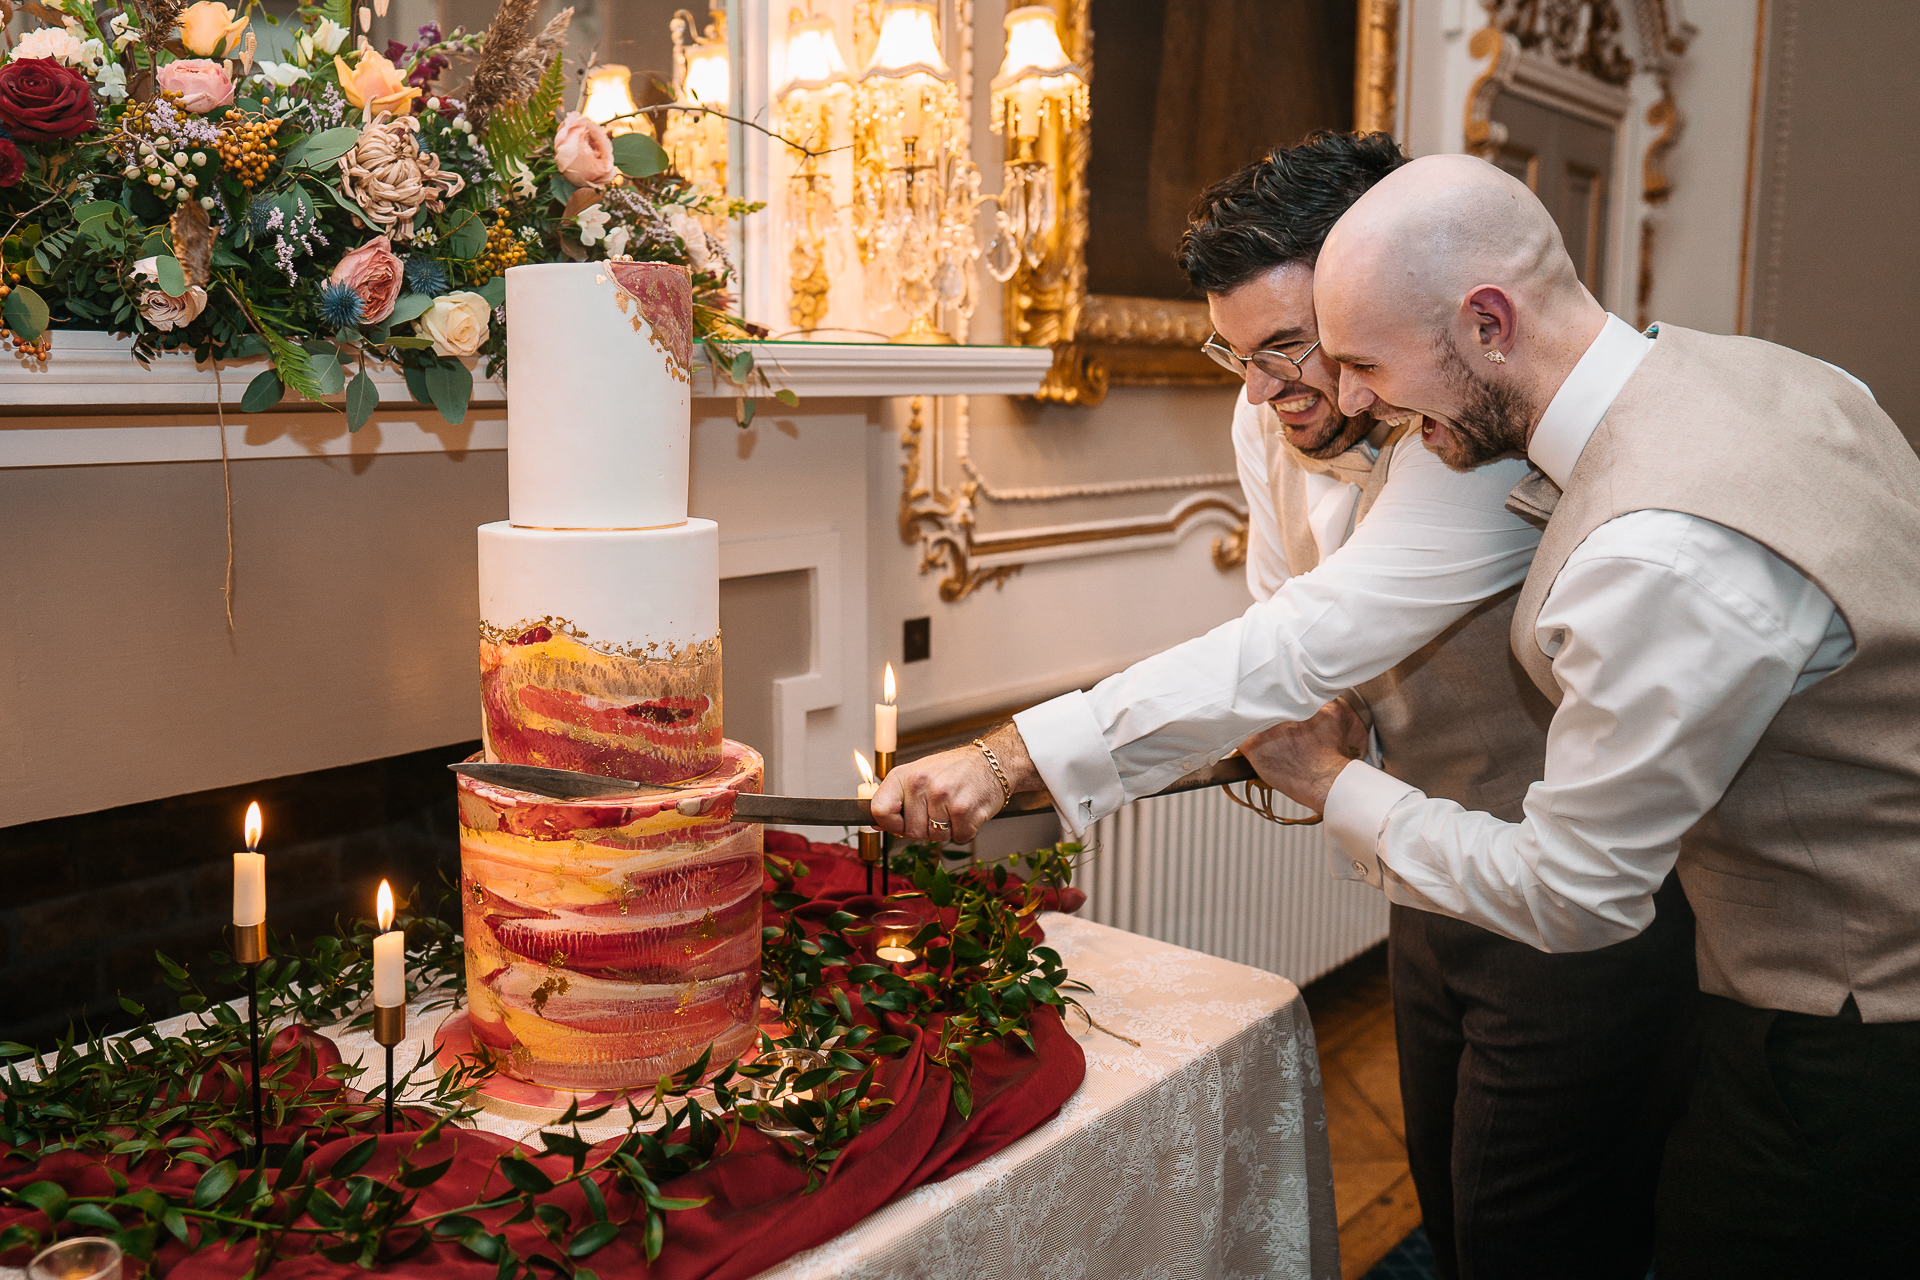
[1279, 209]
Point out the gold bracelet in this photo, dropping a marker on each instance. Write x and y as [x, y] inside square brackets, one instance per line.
[1006, 792]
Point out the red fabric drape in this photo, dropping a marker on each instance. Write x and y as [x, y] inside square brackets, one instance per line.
[758, 1212]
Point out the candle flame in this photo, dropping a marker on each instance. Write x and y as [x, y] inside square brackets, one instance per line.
[383, 907]
[253, 827]
[887, 685]
[866, 770]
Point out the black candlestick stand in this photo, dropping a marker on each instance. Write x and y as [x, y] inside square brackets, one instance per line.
[250, 949]
[389, 1029]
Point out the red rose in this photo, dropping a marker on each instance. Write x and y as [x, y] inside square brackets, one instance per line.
[12, 163]
[43, 101]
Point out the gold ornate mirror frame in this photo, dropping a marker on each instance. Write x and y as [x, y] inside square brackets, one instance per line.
[1101, 341]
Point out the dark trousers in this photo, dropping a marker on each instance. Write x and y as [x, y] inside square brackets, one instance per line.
[1799, 1155]
[1539, 1090]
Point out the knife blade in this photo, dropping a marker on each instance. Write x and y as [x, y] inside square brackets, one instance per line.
[821, 811]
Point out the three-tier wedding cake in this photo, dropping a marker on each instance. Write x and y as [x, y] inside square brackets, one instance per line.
[608, 941]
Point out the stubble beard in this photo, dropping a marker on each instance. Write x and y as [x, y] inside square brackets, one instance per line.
[1493, 416]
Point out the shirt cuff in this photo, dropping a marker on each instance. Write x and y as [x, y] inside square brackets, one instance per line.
[1357, 808]
[1064, 741]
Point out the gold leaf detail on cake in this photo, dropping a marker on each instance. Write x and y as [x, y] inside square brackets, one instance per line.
[662, 298]
[695, 654]
[554, 986]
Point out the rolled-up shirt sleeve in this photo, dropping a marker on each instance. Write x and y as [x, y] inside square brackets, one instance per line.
[1674, 642]
[1435, 544]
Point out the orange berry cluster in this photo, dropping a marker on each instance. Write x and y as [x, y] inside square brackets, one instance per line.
[246, 149]
[504, 249]
[38, 350]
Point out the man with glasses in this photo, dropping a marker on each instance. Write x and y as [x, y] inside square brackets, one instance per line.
[1536, 1087]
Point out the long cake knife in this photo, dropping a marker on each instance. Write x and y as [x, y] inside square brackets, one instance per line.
[825, 811]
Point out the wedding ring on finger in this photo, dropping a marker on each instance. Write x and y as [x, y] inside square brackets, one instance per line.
[938, 825]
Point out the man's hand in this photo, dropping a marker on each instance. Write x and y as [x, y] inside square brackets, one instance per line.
[949, 796]
[1301, 760]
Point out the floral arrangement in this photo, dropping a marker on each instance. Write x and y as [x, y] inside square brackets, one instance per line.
[338, 209]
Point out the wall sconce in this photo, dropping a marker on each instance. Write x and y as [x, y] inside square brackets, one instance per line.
[606, 98]
[1039, 88]
[915, 190]
[817, 82]
[696, 138]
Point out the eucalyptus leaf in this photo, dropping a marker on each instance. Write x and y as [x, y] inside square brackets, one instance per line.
[450, 384]
[466, 235]
[494, 291]
[264, 392]
[26, 313]
[173, 277]
[362, 399]
[409, 306]
[639, 156]
[323, 148]
[328, 372]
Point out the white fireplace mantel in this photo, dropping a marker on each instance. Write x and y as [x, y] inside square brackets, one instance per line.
[92, 404]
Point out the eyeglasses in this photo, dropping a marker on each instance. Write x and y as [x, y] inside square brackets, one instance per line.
[1271, 361]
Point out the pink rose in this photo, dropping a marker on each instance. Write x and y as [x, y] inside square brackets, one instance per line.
[203, 85]
[376, 275]
[583, 151]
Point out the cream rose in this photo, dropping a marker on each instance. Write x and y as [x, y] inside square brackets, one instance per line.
[375, 85]
[456, 323]
[583, 152]
[203, 85]
[161, 309]
[209, 28]
[53, 42]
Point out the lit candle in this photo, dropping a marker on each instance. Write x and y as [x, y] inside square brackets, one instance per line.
[914, 120]
[886, 717]
[250, 876]
[893, 930]
[389, 956]
[1026, 110]
[867, 783]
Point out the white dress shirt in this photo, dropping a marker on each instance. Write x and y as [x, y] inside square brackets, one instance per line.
[1675, 641]
[1435, 544]
[1331, 504]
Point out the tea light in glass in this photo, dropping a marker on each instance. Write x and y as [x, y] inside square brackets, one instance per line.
[892, 935]
[773, 1090]
[81, 1258]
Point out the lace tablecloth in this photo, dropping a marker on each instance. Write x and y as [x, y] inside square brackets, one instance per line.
[1200, 1151]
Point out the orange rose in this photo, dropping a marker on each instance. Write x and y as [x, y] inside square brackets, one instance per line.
[376, 85]
[209, 28]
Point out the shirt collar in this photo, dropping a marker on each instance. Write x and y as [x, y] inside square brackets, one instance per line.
[1585, 397]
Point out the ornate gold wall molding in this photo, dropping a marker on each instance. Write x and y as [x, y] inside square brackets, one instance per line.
[1485, 135]
[1581, 35]
[940, 518]
[1113, 341]
[1376, 67]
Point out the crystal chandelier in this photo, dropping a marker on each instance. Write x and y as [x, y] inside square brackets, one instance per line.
[818, 87]
[1039, 93]
[915, 189]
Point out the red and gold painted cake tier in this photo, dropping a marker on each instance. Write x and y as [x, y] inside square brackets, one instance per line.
[550, 697]
[610, 941]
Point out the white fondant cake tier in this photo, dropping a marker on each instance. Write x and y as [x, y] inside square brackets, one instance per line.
[598, 370]
[600, 650]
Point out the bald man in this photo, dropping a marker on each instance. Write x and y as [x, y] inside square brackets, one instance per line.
[1725, 609]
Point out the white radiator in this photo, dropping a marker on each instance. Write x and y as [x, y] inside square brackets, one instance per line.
[1199, 871]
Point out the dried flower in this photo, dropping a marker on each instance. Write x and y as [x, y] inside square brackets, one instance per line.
[340, 306]
[389, 177]
[510, 63]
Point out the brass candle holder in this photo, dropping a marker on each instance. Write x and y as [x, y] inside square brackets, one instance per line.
[870, 848]
[389, 1029]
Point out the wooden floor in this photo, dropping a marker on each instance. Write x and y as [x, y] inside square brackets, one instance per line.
[1359, 1073]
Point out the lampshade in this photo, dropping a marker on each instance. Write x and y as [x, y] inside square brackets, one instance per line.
[607, 98]
[909, 43]
[814, 64]
[708, 81]
[1037, 71]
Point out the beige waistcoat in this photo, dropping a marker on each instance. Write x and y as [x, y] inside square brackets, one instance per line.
[1459, 718]
[1805, 878]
